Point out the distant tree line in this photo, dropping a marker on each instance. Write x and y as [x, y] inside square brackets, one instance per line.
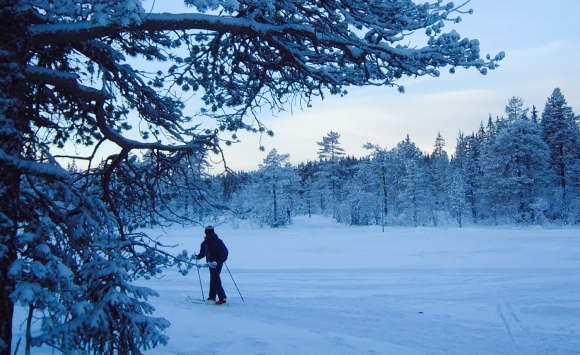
[523, 168]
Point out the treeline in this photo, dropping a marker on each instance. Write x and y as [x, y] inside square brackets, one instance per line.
[523, 168]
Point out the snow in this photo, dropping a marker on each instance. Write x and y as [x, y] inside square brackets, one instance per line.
[319, 287]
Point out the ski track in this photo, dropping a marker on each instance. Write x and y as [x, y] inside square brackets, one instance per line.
[381, 311]
[522, 326]
[505, 322]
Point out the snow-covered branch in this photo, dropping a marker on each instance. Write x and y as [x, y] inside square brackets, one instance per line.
[59, 33]
[64, 81]
[197, 143]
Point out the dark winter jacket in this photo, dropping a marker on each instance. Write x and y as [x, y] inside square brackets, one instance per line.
[213, 249]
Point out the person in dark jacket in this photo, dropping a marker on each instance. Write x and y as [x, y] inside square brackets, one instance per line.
[214, 250]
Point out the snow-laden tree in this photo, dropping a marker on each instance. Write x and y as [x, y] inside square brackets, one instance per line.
[465, 162]
[330, 176]
[535, 117]
[515, 109]
[438, 164]
[307, 172]
[281, 179]
[457, 196]
[515, 166]
[475, 147]
[271, 193]
[330, 148]
[413, 192]
[560, 131]
[376, 174]
[360, 203]
[68, 77]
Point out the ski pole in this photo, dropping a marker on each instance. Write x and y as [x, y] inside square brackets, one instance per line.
[200, 285]
[234, 281]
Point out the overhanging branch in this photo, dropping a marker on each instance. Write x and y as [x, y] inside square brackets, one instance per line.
[129, 144]
[64, 81]
[60, 33]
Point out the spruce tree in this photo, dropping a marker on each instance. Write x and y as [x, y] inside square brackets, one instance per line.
[414, 196]
[515, 166]
[456, 196]
[561, 133]
[439, 172]
[515, 109]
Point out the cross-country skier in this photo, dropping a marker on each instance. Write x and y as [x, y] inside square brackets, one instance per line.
[214, 250]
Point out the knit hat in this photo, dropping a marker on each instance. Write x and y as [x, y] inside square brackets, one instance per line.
[208, 229]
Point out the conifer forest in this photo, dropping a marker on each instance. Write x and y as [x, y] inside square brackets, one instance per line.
[522, 167]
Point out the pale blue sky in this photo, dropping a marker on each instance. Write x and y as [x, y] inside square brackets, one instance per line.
[542, 52]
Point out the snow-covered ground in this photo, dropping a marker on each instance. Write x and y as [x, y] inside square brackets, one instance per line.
[319, 287]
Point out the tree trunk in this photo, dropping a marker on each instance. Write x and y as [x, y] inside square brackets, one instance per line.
[308, 202]
[385, 195]
[13, 58]
[275, 205]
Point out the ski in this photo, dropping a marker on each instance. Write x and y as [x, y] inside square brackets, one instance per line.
[194, 300]
[198, 301]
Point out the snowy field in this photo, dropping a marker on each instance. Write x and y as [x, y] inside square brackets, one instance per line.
[318, 287]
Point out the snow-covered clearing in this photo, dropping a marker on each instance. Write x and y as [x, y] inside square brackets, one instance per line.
[318, 287]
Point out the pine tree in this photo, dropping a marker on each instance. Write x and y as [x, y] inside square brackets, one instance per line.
[330, 147]
[331, 173]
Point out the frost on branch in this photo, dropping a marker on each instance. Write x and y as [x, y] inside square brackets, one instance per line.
[99, 12]
[208, 5]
